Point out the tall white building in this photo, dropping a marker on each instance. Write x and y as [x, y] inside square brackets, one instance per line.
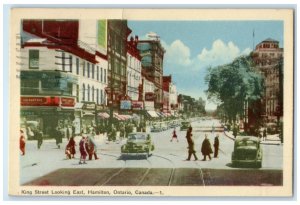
[134, 68]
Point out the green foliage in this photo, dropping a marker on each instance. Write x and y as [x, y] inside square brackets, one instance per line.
[232, 84]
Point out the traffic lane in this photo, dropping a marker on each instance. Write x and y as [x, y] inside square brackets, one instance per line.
[160, 177]
[240, 177]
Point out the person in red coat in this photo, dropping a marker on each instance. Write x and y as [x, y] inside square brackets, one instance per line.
[22, 142]
[174, 136]
[70, 148]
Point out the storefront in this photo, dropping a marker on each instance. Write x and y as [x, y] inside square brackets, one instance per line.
[48, 112]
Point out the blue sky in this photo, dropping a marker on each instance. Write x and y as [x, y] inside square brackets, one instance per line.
[193, 46]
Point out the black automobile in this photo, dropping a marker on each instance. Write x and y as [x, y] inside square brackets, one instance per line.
[247, 152]
[138, 144]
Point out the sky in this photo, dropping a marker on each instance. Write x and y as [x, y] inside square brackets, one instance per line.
[193, 46]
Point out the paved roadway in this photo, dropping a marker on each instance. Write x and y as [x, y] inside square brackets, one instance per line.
[166, 166]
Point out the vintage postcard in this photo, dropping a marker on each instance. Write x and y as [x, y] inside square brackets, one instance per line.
[151, 102]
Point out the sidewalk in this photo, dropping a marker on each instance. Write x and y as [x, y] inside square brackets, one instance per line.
[270, 139]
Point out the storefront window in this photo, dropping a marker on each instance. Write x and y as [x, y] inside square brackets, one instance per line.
[29, 87]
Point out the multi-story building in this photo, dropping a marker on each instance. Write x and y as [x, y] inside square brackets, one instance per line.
[117, 33]
[268, 58]
[170, 88]
[134, 69]
[59, 71]
[152, 54]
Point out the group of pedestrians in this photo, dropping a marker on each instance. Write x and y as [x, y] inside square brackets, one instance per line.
[206, 149]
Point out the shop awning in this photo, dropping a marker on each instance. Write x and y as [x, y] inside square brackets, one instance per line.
[160, 114]
[119, 117]
[103, 115]
[152, 113]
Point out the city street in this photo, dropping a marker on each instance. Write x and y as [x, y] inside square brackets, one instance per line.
[166, 166]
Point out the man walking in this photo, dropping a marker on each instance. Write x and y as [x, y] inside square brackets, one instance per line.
[206, 148]
[191, 149]
[216, 146]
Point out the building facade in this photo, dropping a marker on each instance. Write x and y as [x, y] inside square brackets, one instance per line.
[134, 69]
[152, 54]
[59, 71]
[117, 33]
[268, 57]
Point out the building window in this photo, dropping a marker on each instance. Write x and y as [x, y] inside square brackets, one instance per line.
[101, 97]
[71, 63]
[101, 74]
[88, 93]
[88, 70]
[104, 98]
[104, 75]
[77, 66]
[77, 93]
[83, 92]
[97, 73]
[93, 91]
[97, 95]
[83, 68]
[93, 71]
[63, 56]
[34, 56]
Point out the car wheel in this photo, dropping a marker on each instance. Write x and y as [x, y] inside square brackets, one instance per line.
[258, 164]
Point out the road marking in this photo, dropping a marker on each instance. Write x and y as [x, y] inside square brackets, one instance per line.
[110, 178]
[201, 173]
[144, 176]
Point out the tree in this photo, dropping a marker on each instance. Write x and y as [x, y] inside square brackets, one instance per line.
[232, 84]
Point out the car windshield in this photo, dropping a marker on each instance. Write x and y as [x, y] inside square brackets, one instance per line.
[246, 143]
[136, 137]
[185, 123]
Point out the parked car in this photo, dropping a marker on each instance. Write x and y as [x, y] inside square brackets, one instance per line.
[138, 144]
[247, 152]
[185, 125]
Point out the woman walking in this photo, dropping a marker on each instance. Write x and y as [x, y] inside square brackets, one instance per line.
[82, 149]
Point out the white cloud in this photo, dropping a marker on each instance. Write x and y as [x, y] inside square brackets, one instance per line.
[247, 51]
[220, 53]
[177, 53]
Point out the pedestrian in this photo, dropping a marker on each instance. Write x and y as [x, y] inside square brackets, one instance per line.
[234, 131]
[58, 137]
[264, 134]
[22, 142]
[206, 148]
[174, 136]
[70, 148]
[216, 146]
[92, 148]
[82, 149]
[113, 134]
[68, 132]
[191, 149]
[122, 131]
[39, 137]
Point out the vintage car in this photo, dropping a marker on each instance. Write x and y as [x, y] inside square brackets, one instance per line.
[159, 126]
[138, 144]
[247, 152]
[185, 125]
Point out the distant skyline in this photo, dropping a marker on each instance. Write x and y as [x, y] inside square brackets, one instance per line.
[193, 46]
